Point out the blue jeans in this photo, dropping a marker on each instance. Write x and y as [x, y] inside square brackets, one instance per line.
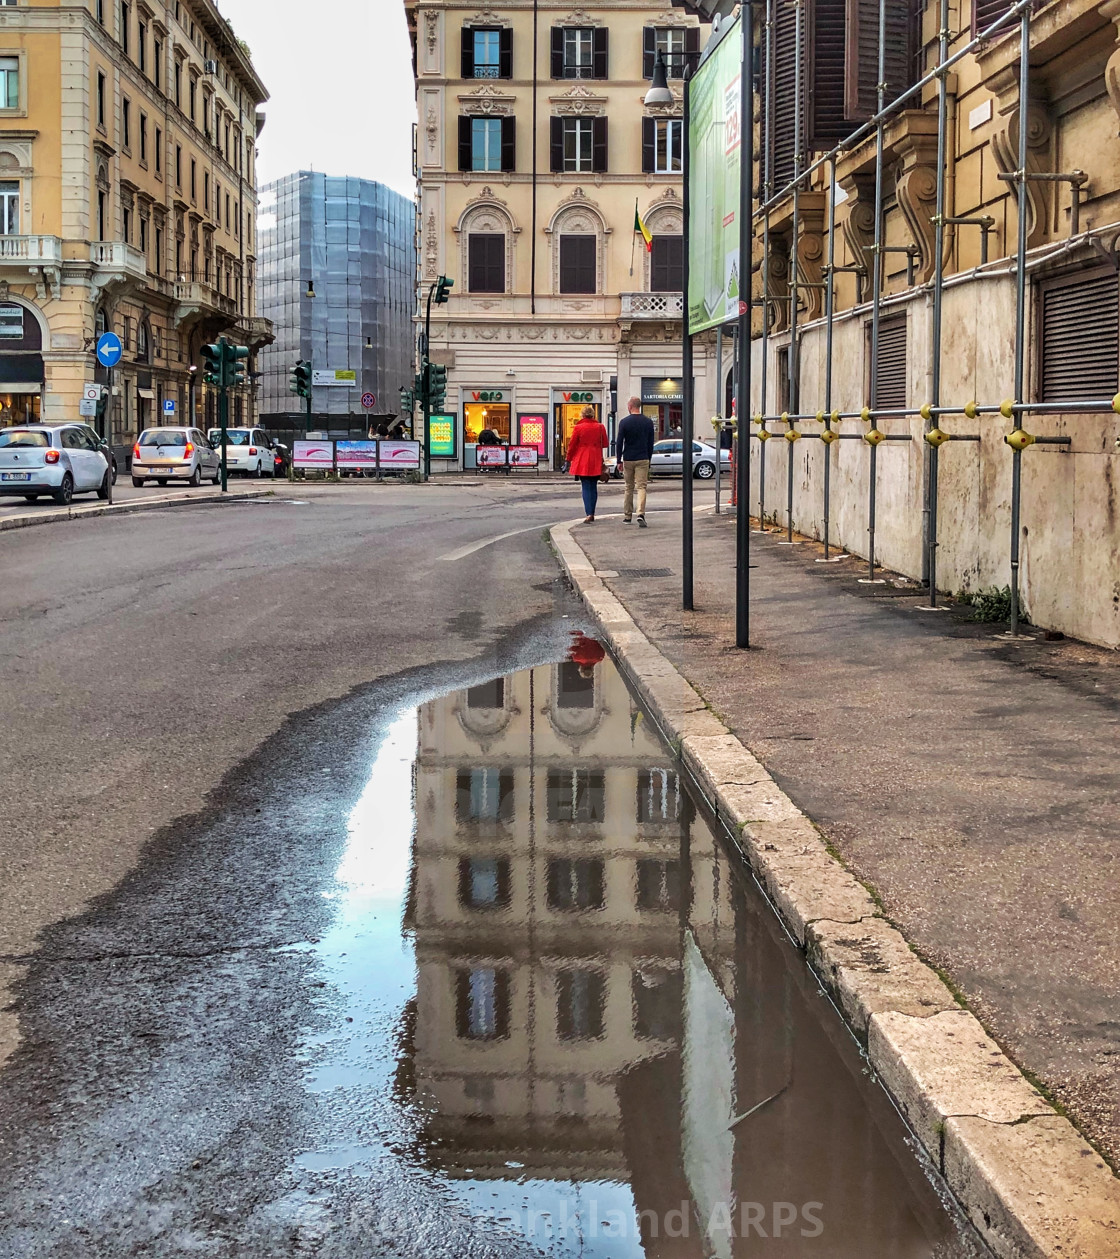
[590, 487]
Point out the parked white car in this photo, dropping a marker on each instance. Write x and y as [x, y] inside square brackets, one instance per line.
[174, 454]
[668, 459]
[248, 450]
[56, 459]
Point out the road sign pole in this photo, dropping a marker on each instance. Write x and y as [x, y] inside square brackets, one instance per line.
[109, 434]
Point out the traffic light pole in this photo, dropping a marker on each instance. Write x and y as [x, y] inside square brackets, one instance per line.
[223, 419]
[425, 376]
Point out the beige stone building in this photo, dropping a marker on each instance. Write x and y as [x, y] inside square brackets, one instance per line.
[1069, 531]
[534, 149]
[127, 203]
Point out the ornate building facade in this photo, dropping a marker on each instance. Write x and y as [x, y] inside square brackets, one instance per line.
[534, 152]
[128, 187]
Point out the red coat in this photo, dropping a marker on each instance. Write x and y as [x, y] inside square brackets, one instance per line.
[585, 448]
[585, 651]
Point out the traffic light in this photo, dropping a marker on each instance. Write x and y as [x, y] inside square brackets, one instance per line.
[235, 364]
[299, 379]
[437, 386]
[443, 287]
[408, 401]
[420, 386]
[211, 364]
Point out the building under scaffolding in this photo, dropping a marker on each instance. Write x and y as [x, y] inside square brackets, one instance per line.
[939, 346]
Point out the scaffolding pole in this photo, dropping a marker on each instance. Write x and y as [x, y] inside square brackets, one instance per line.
[768, 186]
[1020, 305]
[830, 318]
[794, 349]
[746, 273]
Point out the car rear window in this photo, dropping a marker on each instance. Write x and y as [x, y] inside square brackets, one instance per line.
[234, 437]
[22, 438]
[162, 437]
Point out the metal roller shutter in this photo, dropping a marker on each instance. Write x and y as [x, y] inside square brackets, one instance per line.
[1080, 337]
[890, 374]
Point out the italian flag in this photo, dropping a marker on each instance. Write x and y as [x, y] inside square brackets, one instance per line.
[639, 226]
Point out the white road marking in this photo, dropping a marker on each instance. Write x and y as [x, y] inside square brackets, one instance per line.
[464, 551]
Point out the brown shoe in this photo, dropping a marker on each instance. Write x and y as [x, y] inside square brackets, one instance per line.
[589, 520]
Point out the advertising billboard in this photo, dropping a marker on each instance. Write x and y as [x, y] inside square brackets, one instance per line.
[532, 431]
[443, 436]
[340, 379]
[313, 454]
[399, 456]
[492, 456]
[357, 454]
[715, 140]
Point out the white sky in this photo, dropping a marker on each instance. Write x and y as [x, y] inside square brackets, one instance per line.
[339, 73]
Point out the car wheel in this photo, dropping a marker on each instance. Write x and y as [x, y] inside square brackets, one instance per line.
[704, 471]
[103, 488]
[195, 479]
[216, 479]
[65, 491]
[138, 481]
[114, 472]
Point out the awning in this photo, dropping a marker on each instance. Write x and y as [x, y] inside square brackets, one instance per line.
[21, 386]
[16, 368]
[150, 394]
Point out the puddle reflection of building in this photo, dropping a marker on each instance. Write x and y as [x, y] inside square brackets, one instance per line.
[545, 908]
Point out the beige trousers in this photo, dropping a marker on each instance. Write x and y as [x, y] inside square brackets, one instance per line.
[636, 473]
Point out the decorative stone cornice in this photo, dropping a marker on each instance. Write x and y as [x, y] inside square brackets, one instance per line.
[578, 100]
[485, 100]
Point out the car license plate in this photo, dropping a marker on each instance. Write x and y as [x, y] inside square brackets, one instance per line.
[15, 476]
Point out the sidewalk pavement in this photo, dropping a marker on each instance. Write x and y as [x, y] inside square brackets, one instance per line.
[129, 502]
[969, 781]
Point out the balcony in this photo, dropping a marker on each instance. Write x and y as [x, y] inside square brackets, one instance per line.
[119, 260]
[653, 306]
[31, 251]
[198, 299]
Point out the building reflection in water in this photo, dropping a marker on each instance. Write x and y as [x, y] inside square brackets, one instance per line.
[602, 1003]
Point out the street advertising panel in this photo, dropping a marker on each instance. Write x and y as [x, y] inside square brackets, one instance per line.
[491, 456]
[524, 457]
[400, 456]
[444, 445]
[340, 379]
[532, 430]
[715, 140]
[312, 454]
[357, 454]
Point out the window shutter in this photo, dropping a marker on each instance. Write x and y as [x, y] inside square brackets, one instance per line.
[486, 272]
[649, 142]
[782, 108]
[692, 46]
[505, 52]
[649, 50]
[577, 264]
[1080, 336]
[557, 52]
[557, 144]
[666, 271]
[509, 143]
[468, 52]
[890, 375]
[985, 12]
[598, 145]
[825, 67]
[466, 156]
[861, 57]
[599, 38]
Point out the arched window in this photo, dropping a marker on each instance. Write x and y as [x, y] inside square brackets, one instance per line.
[486, 238]
[579, 234]
[664, 264]
[143, 342]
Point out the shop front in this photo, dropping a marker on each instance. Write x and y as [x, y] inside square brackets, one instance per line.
[22, 374]
[663, 402]
[487, 419]
[567, 407]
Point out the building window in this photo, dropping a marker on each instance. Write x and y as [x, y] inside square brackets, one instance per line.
[679, 47]
[179, 84]
[482, 1003]
[101, 100]
[487, 144]
[159, 150]
[579, 145]
[206, 191]
[157, 63]
[102, 213]
[579, 52]
[487, 695]
[179, 165]
[574, 687]
[192, 97]
[142, 47]
[659, 796]
[158, 267]
[578, 263]
[9, 207]
[125, 15]
[484, 795]
[659, 884]
[143, 137]
[656, 1000]
[487, 52]
[484, 882]
[662, 145]
[486, 262]
[581, 996]
[573, 885]
[9, 83]
[101, 11]
[666, 264]
[576, 795]
[144, 236]
[126, 123]
[126, 225]
[194, 178]
[143, 343]
[1079, 335]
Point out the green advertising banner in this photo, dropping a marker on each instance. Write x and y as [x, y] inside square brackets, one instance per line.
[443, 436]
[715, 138]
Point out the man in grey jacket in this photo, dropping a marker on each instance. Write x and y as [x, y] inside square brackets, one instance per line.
[635, 449]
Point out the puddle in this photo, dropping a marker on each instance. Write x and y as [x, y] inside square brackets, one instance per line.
[561, 1007]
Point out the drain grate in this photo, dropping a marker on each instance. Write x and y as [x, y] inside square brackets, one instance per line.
[644, 572]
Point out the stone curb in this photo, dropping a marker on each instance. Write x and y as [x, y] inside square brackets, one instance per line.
[145, 504]
[1029, 1182]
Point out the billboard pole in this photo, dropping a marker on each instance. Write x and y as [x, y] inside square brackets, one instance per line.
[746, 286]
[687, 401]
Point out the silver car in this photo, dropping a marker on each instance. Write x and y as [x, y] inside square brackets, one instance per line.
[248, 450]
[56, 459]
[668, 459]
[174, 454]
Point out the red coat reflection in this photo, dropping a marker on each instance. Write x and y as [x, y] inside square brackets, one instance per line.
[586, 653]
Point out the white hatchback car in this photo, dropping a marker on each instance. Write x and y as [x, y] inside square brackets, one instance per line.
[179, 454]
[56, 459]
[248, 450]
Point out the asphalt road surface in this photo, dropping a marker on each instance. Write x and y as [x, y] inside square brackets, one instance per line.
[170, 692]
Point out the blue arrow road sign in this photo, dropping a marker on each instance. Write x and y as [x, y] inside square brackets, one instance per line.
[109, 349]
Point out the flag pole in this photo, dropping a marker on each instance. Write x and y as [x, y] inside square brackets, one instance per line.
[634, 238]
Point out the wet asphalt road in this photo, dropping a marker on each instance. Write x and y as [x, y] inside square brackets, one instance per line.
[165, 688]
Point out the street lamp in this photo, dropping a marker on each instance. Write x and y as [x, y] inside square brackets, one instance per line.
[659, 93]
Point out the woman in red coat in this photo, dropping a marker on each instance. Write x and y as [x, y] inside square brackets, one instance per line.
[585, 458]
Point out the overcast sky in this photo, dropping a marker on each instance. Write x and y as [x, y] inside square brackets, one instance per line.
[339, 74]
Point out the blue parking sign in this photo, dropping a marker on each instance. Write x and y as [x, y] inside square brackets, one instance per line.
[169, 406]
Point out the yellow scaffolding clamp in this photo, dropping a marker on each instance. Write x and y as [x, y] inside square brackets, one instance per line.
[829, 436]
[1020, 439]
[791, 434]
[763, 431]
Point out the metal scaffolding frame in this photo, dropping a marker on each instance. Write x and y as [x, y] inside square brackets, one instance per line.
[1014, 409]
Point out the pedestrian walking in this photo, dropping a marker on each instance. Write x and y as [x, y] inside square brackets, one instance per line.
[635, 449]
[585, 458]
